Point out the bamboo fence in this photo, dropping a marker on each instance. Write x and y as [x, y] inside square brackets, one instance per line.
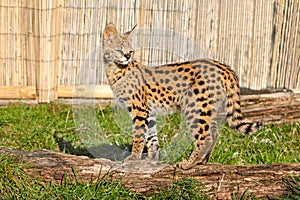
[52, 49]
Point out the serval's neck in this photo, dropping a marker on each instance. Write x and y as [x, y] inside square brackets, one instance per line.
[115, 72]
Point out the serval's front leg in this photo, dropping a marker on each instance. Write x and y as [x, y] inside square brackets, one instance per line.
[140, 114]
[152, 139]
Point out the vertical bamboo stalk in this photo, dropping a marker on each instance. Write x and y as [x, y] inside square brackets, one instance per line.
[292, 74]
[32, 40]
[9, 75]
[3, 40]
[276, 42]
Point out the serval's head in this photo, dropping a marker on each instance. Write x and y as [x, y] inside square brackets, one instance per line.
[117, 47]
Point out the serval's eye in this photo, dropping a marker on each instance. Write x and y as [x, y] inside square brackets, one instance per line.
[120, 51]
[131, 52]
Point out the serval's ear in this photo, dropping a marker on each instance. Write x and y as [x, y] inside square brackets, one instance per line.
[110, 33]
[128, 34]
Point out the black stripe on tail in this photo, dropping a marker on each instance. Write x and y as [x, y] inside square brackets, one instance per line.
[248, 127]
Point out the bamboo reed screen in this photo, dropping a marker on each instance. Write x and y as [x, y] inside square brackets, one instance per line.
[48, 47]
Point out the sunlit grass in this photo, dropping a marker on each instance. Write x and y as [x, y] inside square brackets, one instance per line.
[16, 184]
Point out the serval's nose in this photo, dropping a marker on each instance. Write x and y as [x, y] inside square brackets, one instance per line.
[127, 56]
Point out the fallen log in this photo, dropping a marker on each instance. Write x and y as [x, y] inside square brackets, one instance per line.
[272, 107]
[219, 181]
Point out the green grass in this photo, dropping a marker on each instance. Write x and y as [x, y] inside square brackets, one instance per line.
[15, 184]
[34, 127]
[270, 145]
[76, 130]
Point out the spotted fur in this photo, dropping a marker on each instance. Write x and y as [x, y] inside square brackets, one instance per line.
[197, 88]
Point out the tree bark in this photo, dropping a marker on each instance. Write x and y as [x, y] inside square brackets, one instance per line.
[219, 181]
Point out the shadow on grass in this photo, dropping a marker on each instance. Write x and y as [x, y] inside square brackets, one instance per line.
[111, 152]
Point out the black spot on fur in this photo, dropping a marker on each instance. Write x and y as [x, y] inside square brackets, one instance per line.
[201, 99]
[206, 127]
[151, 124]
[201, 83]
[200, 130]
[186, 69]
[192, 104]
[159, 71]
[202, 121]
[196, 91]
[147, 71]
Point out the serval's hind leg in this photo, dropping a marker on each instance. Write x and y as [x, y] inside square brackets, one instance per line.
[198, 114]
[203, 147]
[210, 143]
